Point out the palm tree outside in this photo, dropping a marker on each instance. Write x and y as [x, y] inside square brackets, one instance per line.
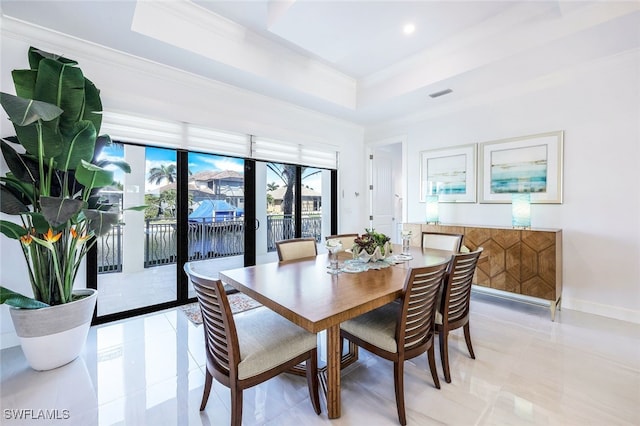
[168, 173]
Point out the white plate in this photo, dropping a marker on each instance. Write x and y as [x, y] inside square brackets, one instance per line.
[352, 269]
[403, 257]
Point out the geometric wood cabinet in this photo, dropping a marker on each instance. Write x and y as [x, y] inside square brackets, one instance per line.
[521, 262]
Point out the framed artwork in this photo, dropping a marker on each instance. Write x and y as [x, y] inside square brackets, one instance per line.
[450, 173]
[530, 164]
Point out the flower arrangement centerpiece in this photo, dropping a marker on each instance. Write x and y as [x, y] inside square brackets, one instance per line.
[54, 175]
[371, 246]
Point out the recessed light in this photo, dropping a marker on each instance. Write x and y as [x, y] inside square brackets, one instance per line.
[408, 29]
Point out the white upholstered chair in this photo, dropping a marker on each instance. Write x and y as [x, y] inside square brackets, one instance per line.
[442, 241]
[248, 349]
[401, 331]
[347, 240]
[296, 248]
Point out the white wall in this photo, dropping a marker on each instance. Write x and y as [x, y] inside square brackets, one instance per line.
[139, 87]
[598, 107]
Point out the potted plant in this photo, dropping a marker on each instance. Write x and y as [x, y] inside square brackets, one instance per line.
[371, 246]
[51, 187]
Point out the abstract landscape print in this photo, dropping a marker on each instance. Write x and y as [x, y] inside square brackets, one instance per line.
[449, 173]
[528, 164]
[519, 170]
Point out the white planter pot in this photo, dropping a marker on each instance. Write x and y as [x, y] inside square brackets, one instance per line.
[54, 336]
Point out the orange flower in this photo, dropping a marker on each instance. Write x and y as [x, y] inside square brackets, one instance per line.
[52, 238]
[26, 239]
[74, 234]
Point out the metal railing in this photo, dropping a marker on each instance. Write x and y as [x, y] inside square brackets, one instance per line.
[207, 240]
[282, 228]
[216, 239]
[110, 251]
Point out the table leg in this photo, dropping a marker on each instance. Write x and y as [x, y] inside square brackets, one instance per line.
[333, 371]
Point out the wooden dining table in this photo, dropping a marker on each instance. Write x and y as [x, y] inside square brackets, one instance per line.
[306, 294]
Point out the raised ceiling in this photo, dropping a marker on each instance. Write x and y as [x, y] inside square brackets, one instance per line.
[351, 59]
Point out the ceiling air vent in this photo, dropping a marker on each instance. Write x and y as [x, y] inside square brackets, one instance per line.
[441, 93]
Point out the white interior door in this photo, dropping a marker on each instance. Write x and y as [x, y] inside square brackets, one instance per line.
[382, 193]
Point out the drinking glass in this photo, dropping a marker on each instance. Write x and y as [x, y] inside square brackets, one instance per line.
[333, 247]
[406, 243]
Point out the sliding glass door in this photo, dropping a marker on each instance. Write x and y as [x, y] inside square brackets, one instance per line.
[136, 261]
[291, 202]
[223, 211]
[216, 217]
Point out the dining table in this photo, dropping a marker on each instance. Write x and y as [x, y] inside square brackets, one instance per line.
[304, 292]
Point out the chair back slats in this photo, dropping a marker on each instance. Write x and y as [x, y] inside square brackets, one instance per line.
[457, 289]
[416, 322]
[296, 248]
[221, 338]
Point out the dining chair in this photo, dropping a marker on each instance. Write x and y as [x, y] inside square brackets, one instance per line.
[442, 241]
[248, 349]
[296, 248]
[401, 331]
[347, 240]
[453, 311]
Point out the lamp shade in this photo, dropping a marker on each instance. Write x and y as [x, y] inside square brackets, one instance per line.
[432, 209]
[521, 210]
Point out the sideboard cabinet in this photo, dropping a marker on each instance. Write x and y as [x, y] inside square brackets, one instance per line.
[526, 263]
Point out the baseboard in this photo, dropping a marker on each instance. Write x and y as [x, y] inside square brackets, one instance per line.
[608, 311]
[614, 312]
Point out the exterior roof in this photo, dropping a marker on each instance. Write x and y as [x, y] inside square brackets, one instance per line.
[278, 193]
[217, 175]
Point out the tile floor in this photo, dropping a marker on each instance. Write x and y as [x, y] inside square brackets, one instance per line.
[580, 370]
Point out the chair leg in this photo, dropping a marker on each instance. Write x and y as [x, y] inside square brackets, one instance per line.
[398, 370]
[467, 338]
[236, 406]
[431, 356]
[444, 354]
[208, 381]
[312, 380]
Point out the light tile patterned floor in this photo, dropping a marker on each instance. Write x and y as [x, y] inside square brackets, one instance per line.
[580, 370]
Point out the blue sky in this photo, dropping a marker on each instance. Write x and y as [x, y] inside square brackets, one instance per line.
[156, 157]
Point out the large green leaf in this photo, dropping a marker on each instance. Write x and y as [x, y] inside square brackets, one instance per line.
[10, 204]
[51, 139]
[39, 223]
[35, 55]
[92, 176]
[25, 83]
[19, 300]
[24, 112]
[101, 222]
[79, 144]
[63, 85]
[25, 192]
[22, 167]
[92, 104]
[58, 211]
[12, 230]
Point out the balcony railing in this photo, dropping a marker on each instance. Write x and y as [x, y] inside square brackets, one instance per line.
[207, 240]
